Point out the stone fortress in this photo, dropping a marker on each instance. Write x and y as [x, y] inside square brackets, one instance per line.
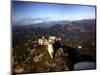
[49, 41]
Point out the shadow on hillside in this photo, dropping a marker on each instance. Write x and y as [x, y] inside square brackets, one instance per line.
[74, 57]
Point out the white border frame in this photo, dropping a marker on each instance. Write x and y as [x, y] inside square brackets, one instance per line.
[5, 37]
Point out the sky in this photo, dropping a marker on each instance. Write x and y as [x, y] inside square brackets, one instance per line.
[40, 12]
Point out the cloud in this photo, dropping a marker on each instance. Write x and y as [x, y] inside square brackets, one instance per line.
[27, 21]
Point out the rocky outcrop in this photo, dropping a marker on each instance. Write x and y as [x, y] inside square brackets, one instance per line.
[33, 58]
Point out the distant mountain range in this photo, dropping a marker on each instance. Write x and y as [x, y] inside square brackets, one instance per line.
[42, 24]
[71, 30]
[82, 26]
[78, 25]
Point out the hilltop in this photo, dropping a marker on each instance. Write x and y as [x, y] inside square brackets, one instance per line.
[32, 57]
